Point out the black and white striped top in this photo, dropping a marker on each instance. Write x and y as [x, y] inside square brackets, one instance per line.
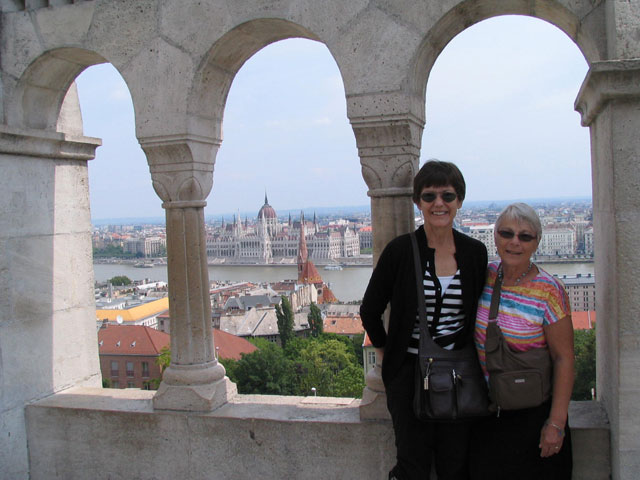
[445, 312]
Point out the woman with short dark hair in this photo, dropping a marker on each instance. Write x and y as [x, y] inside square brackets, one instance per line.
[454, 267]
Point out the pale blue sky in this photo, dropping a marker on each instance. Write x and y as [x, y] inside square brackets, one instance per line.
[499, 104]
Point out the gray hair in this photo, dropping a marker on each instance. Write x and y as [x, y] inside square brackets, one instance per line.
[522, 213]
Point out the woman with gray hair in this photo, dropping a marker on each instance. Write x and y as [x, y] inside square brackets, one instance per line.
[531, 310]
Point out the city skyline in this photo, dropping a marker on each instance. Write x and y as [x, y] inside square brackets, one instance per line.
[499, 104]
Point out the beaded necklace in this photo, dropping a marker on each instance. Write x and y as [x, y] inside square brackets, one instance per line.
[501, 274]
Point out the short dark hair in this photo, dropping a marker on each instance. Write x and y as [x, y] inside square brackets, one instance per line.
[435, 173]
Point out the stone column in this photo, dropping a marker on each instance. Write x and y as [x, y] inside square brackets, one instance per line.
[47, 309]
[609, 102]
[182, 172]
[389, 152]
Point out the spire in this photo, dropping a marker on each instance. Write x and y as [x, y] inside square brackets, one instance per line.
[266, 202]
[302, 250]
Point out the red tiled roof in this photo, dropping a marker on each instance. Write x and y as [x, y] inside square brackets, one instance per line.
[367, 341]
[230, 346]
[343, 325]
[149, 341]
[309, 273]
[131, 340]
[328, 296]
[583, 320]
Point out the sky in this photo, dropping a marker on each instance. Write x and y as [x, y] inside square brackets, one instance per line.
[499, 104]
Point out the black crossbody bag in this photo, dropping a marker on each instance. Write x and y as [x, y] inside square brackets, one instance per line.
[449, 384]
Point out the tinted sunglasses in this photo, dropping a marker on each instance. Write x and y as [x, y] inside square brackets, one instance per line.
[447, 197]
[523, 237]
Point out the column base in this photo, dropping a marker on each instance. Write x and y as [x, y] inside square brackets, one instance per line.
[374, 398]
[194, 398]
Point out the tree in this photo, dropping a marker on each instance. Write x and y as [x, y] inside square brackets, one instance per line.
[264, 371]
[327, 365]
[284, 313]
[585, 364]
[164, 359]
[315, 320]
[120, 280]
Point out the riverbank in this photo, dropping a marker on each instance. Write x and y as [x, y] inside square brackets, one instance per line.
[363, 261]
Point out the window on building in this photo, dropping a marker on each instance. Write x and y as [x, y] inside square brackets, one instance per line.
[115, 369]
[129, 369]
[115, 384]
[371, 357]
[145, 369]
[131, 384]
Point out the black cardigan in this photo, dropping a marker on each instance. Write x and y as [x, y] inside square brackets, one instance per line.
[393, 280]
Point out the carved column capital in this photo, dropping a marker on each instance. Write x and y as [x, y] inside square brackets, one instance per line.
[607, 81]
[389, 149]
[181, 168]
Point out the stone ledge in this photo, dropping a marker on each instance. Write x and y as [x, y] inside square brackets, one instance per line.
[41, 143]
[116, 434]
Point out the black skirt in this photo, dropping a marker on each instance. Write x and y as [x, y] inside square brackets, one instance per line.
[506, 447]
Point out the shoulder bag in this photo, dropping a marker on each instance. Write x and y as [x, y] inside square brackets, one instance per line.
[516, 379]
[449, 384]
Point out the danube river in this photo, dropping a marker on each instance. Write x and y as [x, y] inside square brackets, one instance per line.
[347, 284]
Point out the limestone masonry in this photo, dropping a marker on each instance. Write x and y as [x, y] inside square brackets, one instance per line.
[179, 58]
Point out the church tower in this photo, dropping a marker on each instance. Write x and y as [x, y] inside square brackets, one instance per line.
[302, 250]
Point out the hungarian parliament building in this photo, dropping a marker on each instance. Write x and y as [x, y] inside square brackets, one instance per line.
[269, 241]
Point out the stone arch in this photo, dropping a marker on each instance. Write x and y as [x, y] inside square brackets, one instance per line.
[468, 13]
[42, 88]
[216, 72]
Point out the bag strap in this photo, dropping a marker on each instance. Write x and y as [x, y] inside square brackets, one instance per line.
[495, 297]
[422, 310]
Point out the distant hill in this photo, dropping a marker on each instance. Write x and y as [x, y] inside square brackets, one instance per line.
[343, 211]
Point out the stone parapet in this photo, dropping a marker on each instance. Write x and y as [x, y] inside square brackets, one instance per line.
[116, 433]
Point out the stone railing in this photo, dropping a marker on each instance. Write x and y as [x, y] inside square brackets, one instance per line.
[109, 433]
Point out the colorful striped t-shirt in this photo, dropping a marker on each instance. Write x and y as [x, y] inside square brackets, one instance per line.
[524, 311]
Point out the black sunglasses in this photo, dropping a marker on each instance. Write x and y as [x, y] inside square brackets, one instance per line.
[523, 237]
[447, 197]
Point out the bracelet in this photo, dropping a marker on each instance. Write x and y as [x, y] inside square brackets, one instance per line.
[557, 427]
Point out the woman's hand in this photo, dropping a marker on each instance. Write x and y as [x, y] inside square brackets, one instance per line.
[560, 340]
[551, 438]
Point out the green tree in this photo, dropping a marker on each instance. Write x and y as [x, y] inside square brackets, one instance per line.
[585, 364]
[164, 359]
[284, 313]
[328, 366]
[357, 342]
[120, 280]
[264, 371]
[110, 250]
[315, 320]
